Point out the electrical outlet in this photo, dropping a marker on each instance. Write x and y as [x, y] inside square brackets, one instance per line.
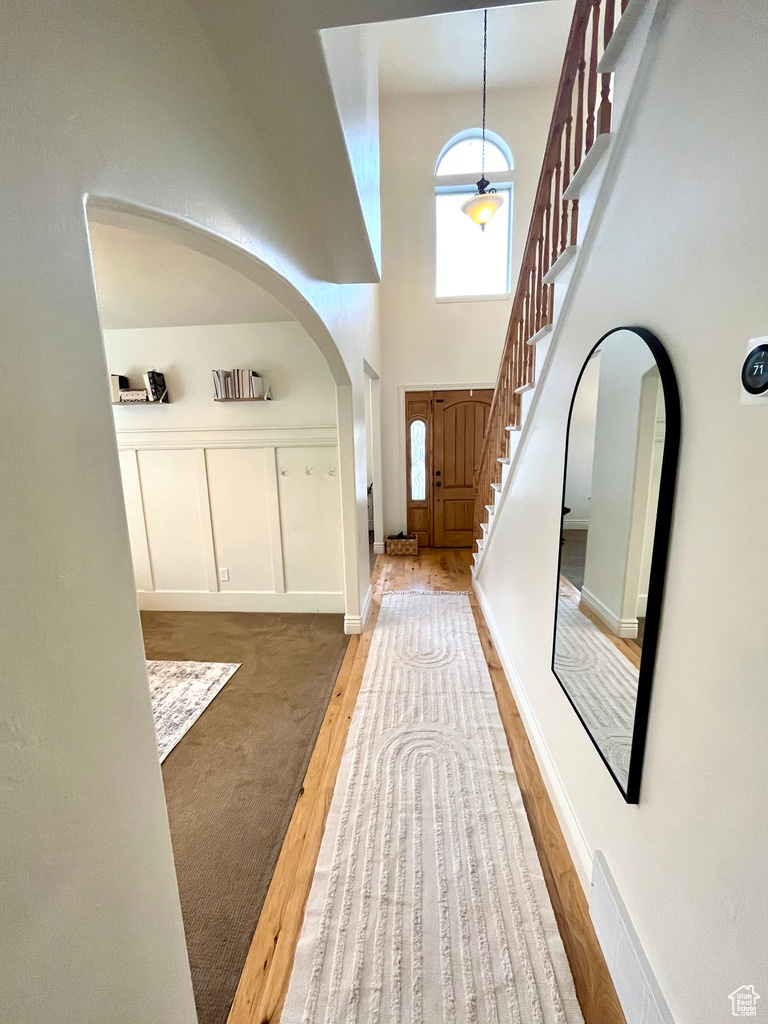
[224, 575]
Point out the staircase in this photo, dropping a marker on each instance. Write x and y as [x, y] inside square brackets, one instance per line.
[590, 100]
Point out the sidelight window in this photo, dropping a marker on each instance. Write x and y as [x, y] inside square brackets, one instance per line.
[418, 446]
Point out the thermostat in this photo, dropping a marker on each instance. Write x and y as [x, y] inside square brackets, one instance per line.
[754, 373]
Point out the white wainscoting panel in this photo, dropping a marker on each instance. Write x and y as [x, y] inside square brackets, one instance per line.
[169, 487]
[197, 503]
[240, 516]
[310, 518]
[137, 531]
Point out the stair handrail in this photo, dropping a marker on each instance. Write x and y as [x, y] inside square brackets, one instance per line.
[577, 121]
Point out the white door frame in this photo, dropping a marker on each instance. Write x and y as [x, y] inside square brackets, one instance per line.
[373, 407]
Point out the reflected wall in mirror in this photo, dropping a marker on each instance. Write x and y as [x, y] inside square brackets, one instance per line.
[620, 463]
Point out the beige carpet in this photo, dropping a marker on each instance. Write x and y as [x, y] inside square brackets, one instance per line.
[232, 781]
[428, 904]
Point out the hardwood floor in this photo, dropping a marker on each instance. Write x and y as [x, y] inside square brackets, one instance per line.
[264, 980]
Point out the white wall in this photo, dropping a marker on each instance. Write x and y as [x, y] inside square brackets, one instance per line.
[425, 342]
[352, 60]
[252, 488]
[581, 448]
[646, 518]
[283, 353]
[611, 564]
[681, 250]
[127, 103]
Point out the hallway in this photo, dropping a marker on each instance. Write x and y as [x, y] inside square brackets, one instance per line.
[265, 979]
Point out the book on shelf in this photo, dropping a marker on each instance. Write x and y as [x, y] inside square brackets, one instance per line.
[255, 385]
[222, 384]
[237, 383]
[117, 383]
[155, 385]
[131, 396]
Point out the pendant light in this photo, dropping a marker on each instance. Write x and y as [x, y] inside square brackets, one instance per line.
[486, 201]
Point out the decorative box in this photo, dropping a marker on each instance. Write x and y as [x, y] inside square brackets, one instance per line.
[403, 545]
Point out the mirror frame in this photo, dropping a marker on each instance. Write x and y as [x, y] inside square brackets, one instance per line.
[659, 556]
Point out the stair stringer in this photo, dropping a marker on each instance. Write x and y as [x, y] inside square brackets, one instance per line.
[598, 185]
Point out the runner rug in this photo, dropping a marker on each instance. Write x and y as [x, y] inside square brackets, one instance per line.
[428, 904]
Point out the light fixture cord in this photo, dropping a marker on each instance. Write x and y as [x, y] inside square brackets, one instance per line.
[485, 78]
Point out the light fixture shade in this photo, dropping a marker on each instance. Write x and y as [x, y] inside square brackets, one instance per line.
[481, 208]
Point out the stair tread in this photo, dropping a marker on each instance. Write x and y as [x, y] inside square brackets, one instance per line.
[525, 387]
[542, 333]
[561, 264]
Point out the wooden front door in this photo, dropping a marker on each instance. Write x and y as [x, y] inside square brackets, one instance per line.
[444, 441]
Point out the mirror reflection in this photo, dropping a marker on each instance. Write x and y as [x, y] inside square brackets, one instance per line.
[613, 477]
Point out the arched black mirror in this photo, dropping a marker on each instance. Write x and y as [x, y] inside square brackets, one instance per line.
[620, 465]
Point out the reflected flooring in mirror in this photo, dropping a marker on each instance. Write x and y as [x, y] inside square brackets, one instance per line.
[601, 682]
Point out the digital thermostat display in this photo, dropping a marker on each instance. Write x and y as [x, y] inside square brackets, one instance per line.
[754, 372]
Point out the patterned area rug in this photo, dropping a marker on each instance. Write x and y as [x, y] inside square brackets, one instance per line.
[181, 691]
[428, 904]
[601, 682]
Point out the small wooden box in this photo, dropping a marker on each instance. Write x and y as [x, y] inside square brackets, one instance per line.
[403, 545]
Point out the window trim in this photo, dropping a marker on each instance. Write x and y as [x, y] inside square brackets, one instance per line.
[476, 133]
[469, 189]
[467, 184]
[409, 441]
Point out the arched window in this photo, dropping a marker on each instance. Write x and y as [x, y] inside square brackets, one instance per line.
[463, 154]
[470, 263]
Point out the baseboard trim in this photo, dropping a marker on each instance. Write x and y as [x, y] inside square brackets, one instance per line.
[354, 624]
[626, 628]
[575, 524]
[574, 837]
[379, 547]
[240, 601]
[638, 990]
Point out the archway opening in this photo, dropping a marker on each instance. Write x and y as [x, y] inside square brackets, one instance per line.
[225, 414]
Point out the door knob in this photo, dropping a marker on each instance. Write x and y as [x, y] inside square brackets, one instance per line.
[438, 484]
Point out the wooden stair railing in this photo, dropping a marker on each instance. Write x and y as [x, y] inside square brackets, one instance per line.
[579, 116]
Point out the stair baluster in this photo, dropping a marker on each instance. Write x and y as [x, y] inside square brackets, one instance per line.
[576, 121]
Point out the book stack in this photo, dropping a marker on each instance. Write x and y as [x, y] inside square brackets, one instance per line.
[117, 383]
[157, 390]
[236, 383]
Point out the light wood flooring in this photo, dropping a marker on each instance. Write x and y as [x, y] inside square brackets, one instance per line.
[264, 980]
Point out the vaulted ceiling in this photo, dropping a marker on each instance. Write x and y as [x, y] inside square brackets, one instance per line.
[275, 57]
[443, 53]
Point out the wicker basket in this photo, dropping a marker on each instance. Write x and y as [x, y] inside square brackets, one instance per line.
[403, 545]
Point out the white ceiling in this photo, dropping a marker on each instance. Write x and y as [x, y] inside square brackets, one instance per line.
[444, 52]
[144, 281]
